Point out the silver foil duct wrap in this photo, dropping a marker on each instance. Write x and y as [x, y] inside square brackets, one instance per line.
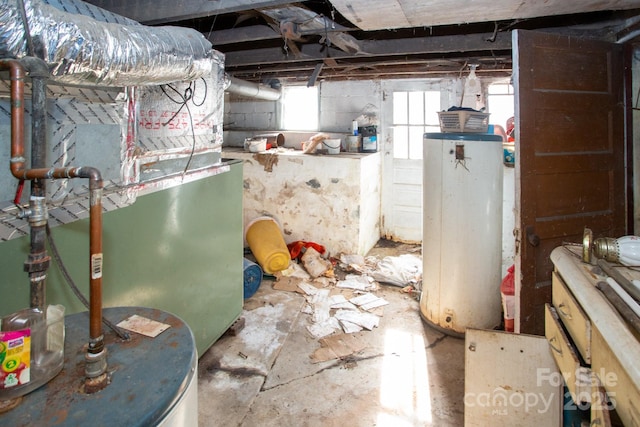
[85, 45]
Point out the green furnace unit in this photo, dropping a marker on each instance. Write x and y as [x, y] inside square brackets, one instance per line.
[179, 250]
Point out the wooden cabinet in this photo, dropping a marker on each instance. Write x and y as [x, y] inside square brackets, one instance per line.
[593, 347]
[572, 317]
[577, 377]
[587, 347]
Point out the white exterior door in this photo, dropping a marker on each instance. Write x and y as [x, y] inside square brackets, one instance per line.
[409, 109]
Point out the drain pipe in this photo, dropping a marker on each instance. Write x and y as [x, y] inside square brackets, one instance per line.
[96, 356]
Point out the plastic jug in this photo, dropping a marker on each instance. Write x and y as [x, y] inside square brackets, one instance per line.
[31, 349]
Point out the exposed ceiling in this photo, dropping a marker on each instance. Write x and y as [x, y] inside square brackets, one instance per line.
[273, 41]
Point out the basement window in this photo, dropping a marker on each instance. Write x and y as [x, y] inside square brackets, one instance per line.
[500, 102]
[300, 108]
[414, 113]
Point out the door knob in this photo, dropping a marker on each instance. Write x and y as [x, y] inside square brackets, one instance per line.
[533, 238]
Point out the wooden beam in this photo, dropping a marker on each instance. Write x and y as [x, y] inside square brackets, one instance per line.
[256, 33]
[397, 47]
[153, 12]
[243, 34]
[417, 68]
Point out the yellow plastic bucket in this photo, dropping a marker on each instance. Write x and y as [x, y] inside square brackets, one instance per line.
[267, 244]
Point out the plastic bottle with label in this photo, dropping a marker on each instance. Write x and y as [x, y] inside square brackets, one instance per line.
[31, 349]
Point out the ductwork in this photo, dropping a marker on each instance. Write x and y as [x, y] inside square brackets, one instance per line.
[85, 45]
[250, 89]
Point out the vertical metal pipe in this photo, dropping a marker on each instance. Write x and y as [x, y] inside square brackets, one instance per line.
[17, 108]
[38, 261]
[38, 131]
[96, 360]
[96, 356]
[95, 251]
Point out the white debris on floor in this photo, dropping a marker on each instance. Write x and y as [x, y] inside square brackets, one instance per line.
[368, 301]
[276, 372]
[358, 283]
[354, 321]
[402, 270]
[348, 304]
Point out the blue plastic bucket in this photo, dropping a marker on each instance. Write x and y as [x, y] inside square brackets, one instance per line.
[252, 277]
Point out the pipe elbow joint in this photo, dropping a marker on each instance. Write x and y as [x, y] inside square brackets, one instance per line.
[17, 167]
[94, 176]
[35, 66]
[15, 66]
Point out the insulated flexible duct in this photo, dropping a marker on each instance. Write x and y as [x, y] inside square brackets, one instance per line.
[250, 89]
[85, 45]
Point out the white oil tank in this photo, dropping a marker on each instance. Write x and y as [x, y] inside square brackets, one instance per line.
[462, 231]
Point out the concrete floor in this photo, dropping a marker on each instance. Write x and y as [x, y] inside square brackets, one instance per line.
[407, 374]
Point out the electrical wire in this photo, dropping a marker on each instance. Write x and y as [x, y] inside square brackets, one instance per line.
[213, 23]
[65, 273]
[183, 101]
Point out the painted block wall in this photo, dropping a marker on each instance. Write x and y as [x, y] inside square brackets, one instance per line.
[370, 202]
[331, 200]
[242, 113]
[342, 102]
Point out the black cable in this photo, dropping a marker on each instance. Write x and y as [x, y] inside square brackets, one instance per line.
[193, 146]
[204, 98]
[185, 97]
[65, 273]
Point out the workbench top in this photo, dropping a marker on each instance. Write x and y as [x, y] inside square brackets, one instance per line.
[614, 347]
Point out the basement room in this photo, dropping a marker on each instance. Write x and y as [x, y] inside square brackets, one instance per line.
[319, 213]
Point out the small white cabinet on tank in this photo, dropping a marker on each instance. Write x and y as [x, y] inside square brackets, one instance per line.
[462, 231]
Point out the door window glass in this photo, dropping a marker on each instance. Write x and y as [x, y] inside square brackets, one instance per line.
[414, 113]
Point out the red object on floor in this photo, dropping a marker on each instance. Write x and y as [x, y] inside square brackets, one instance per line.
[297, 248]
[507, 289]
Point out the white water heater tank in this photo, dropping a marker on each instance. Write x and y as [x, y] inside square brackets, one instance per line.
[462, 231]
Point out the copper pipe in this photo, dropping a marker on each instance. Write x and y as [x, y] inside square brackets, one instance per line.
[17, 104]
[95, 230]
[19, 170]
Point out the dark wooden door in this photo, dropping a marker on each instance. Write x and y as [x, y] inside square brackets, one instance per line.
[570, 155]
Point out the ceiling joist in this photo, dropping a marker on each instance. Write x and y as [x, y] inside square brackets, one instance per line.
[395, 48]
[351, 39]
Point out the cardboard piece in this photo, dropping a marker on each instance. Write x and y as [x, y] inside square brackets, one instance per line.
[288, 284]
[337, 347]
[143, 326]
